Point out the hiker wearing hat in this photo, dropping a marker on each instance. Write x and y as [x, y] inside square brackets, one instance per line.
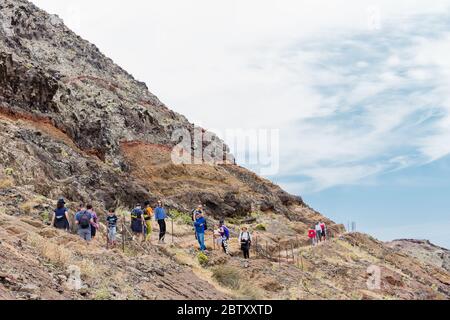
[61, 216]
[245, 239]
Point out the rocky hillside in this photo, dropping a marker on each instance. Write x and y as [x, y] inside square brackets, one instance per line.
[74, 124]
[423, 250]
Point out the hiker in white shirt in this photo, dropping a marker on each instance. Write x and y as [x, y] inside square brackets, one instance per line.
[245, 239]
[318, 232]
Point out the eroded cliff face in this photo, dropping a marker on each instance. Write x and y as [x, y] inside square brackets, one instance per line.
[88, 120]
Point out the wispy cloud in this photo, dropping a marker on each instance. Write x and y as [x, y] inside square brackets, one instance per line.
[383, 104]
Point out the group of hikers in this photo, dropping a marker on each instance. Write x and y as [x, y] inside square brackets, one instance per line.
[318, 233]
[87, 223]
[221, 234]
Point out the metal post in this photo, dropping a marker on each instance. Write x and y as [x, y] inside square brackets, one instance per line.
[293, 256]
[123, 233]
[279, 254]
[171, 219]
[287, 255]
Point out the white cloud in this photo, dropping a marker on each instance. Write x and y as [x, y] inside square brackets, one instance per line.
[349, 101]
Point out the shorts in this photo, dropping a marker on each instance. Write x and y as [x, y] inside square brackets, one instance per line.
[112, 231]
[62, 224]
[85, 234]
[136, 226]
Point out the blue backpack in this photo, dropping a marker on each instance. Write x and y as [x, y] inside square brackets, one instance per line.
[226, 231]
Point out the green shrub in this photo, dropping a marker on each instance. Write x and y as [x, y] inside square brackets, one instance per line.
[227, 276]
[102, 294]
[261, 227]
[233, 221]
[202, 259]
[9, 171]
[180, 217]
[45, 217]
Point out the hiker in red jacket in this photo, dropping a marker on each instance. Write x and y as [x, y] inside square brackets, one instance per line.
[312, 235]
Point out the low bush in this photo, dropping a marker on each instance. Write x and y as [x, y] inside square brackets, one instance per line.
[261, 227]
[202, 259]
[180, 217]
[227, 276]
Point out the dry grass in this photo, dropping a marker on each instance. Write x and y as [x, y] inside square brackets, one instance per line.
[250, 292]
[88, 268]
[55, 254]
[6, 183]
[102, 294]
[60, 256]
[227, 276]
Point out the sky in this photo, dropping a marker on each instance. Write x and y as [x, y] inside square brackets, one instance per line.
[357, 89]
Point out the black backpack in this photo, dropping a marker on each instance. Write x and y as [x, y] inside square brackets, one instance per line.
[85, 221]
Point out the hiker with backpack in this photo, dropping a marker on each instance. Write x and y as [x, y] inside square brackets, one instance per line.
[245, 239]
[323, 227]
[83, 219]
[61, 216]
[148, 215]
[225, 235]
[312, 235]
[161, 216]
[200, 226]
[111, 222]
[94, 224]
[137, 222]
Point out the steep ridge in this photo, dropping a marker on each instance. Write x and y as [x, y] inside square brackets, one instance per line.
[74, 124]
[51, 75]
